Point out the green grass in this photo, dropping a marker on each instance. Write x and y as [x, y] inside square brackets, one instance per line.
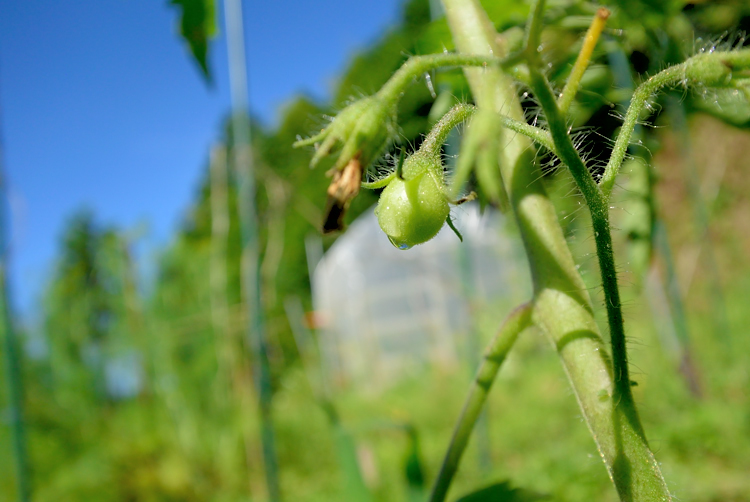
[538, 439]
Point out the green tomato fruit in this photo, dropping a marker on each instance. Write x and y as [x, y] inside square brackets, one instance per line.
[412, 212]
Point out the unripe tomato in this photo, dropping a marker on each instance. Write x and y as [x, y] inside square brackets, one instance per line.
[413, 211]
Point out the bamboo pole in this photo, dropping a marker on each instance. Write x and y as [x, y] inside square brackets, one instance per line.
[243, 164]
[12, 357]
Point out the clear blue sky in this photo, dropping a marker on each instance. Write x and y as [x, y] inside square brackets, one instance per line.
[101, 107]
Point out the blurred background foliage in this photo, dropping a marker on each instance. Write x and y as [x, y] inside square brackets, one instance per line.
[144, 392]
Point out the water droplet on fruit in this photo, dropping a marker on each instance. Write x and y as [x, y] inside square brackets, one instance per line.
[399, 245]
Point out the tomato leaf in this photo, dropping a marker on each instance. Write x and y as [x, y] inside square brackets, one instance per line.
[197, 27]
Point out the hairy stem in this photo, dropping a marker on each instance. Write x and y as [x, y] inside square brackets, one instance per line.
[559, 133]
[440, 131]
[711, 69]
[494, 355]
[602, 235]
[535, 134]
[649, 483]
[463, 111]
[418, 65]
[561, 307]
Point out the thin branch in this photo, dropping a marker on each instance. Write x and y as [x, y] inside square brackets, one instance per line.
[714, 69]
[494, 355]
[583, 59]
[533, 33]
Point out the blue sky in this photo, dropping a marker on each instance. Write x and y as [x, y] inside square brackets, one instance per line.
[102, 108]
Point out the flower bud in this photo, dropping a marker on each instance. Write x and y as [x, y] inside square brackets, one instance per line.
[363, 130]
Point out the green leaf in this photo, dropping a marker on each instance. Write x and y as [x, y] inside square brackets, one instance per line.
[346, 452]
[197, 27]
[730, 105]
[502, 492]
[414, 467]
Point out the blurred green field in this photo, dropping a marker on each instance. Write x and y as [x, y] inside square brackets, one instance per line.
[538, 440]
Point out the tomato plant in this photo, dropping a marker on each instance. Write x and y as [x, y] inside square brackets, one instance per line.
[414, 204]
